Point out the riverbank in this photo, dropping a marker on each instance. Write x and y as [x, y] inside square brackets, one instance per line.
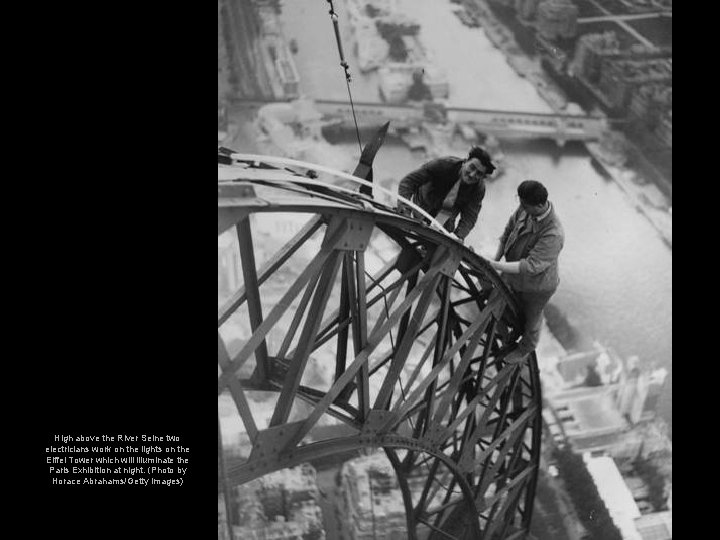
[643, 192]
[526, 67]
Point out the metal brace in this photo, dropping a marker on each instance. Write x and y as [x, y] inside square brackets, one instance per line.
[270, 443]
[357, 234]
[375, 420]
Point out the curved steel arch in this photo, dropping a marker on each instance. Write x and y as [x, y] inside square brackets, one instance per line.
[412, 353]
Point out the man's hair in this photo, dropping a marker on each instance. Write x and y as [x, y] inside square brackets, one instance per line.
[532, 192]
[484, 157]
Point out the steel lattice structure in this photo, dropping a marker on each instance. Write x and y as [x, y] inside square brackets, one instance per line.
[410, 329]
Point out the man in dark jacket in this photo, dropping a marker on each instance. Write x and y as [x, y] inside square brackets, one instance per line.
[531, 245]
[450, 185]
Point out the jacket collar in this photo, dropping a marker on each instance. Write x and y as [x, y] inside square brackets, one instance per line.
[545, 214]
[536, 222]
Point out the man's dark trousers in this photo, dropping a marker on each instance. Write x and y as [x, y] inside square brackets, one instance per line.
[531, 307]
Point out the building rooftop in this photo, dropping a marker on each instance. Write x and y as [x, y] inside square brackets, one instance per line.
[363, 471]
[574, 367]
[656, 526]
[615, 494]
[597, 411]
[301, 478]
[588, 411]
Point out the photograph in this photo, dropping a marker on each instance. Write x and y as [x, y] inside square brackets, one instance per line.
[444, 270]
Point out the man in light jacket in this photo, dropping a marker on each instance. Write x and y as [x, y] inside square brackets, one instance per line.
[531, 245]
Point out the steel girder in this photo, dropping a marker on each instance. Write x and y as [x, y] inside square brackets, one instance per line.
[390, 328]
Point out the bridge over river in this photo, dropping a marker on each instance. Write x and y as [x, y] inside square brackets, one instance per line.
[501, 124]
[498, 123]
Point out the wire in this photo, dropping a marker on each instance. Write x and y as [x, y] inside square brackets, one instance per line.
[230, 174]
[352, 107]
[345, 66]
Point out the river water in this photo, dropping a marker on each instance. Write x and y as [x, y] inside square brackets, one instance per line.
[616, 271]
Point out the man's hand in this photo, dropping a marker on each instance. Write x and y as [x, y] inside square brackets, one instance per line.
[403, 209]
[506, 267]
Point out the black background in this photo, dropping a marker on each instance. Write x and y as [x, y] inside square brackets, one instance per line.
[110, 260]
